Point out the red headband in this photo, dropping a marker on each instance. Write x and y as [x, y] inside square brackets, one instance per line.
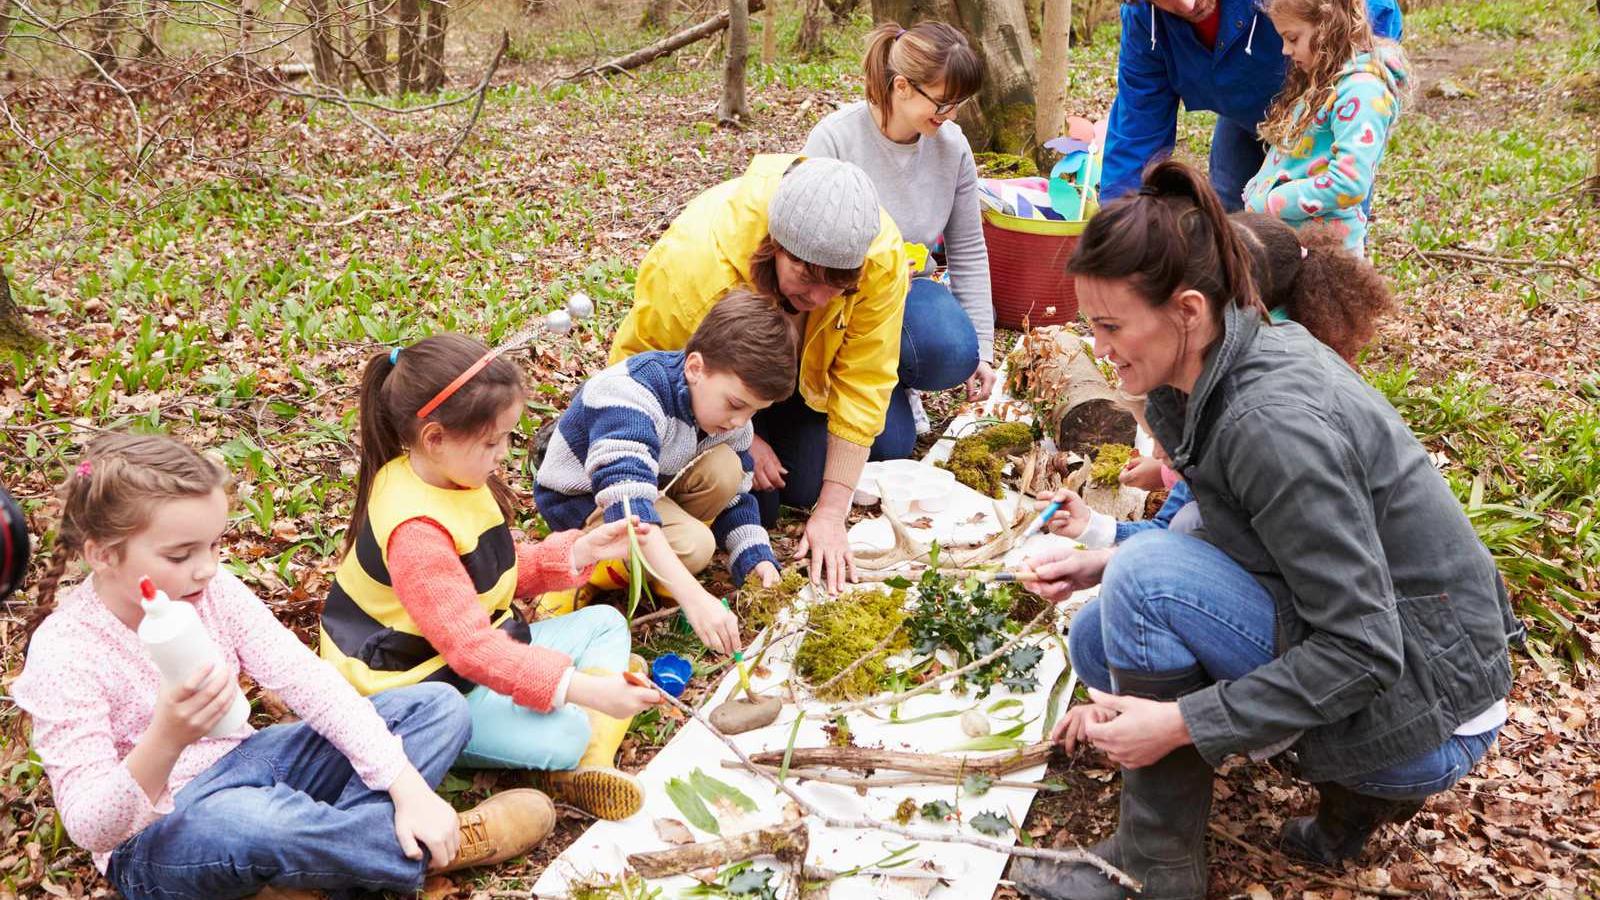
[454, 386]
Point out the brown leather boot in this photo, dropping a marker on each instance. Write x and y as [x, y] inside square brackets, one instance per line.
[508, 824]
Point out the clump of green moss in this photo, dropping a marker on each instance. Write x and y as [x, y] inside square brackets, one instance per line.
[1109, 461]
[1005, 165]
[979, 459]
[759, 606]
[844, 629]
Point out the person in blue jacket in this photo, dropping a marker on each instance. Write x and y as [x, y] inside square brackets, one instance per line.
[1218, 55]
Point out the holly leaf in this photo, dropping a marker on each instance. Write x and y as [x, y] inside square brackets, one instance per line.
[938, 811]
[992, 824]
[752, 883]
[1024, 658]
[977, 784]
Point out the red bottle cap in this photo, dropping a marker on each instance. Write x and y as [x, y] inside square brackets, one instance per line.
[147, 588]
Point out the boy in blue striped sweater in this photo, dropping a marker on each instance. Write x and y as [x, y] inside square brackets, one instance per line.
[670, 432]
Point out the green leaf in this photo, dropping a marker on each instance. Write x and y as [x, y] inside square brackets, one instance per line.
[992, 824]
[1008, 703]
[788, 750]
[977, 784]
[894, 716]
[752, 883]
[687, 800]
[938, 811]
[714, 790]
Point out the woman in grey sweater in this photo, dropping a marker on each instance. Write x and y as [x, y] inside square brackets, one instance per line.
[1336, 600]
[904, 138]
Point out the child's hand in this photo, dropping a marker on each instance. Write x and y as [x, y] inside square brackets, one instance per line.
[611, 694]
[768, 573]
[1070, 730]
[1142, 472]
[186, 712]
[1073, 517]
[715, 624]
[609, 541]
[423, 819]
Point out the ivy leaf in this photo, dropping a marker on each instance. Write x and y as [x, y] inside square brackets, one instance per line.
[992, 824]
[938, 811]
[898, 582]
[977, 784]
[688, 802]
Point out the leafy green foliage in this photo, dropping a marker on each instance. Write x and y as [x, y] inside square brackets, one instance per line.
[684, 796]
[992, 824]
[971, 620]
[938, 810]
[977, 784]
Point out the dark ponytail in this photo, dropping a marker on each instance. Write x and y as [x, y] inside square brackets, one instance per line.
[1173, 235]
[396, 384]
[1309, 274]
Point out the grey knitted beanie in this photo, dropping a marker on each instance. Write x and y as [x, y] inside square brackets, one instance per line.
[825, 212]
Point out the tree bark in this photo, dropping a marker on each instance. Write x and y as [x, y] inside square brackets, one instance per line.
[841, 9]
[732, 109]
[788, 843]
[16, 333]
[409, 39]
[809, 39]
[325, 61]
[657, 15]
[375, 48]
[769, 33]
[103, 36]
[1052, 111]
[433, 77]
[1002, 119]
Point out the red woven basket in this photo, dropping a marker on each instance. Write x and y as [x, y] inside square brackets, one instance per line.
[1028, 269]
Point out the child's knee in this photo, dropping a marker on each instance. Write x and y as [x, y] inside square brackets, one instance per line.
[710, 484]
[693, 544]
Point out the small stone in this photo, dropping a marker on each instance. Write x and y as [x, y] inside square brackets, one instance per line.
[974, 723]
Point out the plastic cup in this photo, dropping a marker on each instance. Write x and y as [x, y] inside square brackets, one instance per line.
[671, 673]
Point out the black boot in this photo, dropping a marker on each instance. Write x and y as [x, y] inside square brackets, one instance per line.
[1344, 821]
[1161, 831]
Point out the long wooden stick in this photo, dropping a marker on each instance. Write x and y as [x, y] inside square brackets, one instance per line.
[893, 780]
[1077, 856]
[863, 759]
[657, 50]
[788, 843]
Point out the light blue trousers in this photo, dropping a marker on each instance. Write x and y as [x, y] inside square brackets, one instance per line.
[508, 736]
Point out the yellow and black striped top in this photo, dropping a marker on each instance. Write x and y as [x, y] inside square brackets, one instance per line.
[365, 632]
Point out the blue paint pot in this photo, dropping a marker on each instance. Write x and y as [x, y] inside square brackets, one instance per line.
[671, 673]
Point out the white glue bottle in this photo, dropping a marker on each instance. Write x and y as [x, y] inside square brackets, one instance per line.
[177, 641]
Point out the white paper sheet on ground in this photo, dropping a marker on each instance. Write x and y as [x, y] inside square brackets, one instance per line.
[969, 871]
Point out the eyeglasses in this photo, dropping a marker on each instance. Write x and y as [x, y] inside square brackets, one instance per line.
[940, 107]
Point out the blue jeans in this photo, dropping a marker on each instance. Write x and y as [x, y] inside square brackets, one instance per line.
[1171, 601]
[938, 351]
[1236, 157]
[508, 736]
[285, 807]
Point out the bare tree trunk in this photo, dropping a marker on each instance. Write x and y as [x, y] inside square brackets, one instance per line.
[16, 333]
[841, 9]
[375, 48]
[1052, 114]
[103, 36]
[732, 109]
[324, 59]
[150, 30]
[657, 14]
[5, 22]
[409, 48]
[1594, 177]
[247, 32]
[809, 39]
[433, 77]
[1003, 118]
[769, 33]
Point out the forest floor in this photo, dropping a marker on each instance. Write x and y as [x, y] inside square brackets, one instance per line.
[229, 285]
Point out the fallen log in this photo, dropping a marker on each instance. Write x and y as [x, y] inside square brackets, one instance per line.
[788, 843]
[1055, 369]
[669, 44]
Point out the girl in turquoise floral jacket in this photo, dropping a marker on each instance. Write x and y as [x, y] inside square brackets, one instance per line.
[1329, 125]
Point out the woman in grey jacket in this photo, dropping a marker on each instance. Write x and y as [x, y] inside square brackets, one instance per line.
[1336, 598]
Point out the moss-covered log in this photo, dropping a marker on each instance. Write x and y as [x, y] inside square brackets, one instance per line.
[1053, 369]
[16, 333]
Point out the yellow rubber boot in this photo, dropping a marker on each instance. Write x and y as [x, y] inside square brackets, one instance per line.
[558, 603]
[597, 786]
[612, 575]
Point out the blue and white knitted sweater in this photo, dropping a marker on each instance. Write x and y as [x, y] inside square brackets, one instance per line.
[629, 430]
